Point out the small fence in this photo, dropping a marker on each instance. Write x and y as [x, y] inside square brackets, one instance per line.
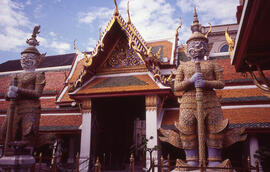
[163, 165]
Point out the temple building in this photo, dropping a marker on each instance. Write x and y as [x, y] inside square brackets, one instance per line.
[103, 103]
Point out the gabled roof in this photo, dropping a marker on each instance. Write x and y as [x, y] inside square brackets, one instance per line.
[48, 61]
[88, 65]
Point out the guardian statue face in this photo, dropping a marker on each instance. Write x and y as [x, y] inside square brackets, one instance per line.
[29, 61]
[197, 49]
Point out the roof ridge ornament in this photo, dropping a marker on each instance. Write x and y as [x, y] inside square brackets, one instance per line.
[116, 11]
[209, 31]
[230, 41]
[129, 21]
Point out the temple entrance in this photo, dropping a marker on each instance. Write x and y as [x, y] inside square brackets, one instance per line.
[113, 129]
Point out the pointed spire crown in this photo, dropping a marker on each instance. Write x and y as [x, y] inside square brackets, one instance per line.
[196, 29]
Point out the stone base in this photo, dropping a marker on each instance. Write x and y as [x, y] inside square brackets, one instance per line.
[18, 163]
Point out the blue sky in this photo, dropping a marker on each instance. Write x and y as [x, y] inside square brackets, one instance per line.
[63, 21]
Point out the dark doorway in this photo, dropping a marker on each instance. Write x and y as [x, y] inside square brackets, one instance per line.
[112, 128]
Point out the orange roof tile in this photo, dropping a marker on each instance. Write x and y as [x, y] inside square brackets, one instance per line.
[224, 93]
[61, 120]
[235, 116]
[167, 47]
[230, 72]
[48, 103]
[247, 115]
[117, 84]
[5, 81]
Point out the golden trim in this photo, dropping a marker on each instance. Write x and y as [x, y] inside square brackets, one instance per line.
[151, 102]
[230, 41]
[209, 31]
[127, 69]
[85, 106]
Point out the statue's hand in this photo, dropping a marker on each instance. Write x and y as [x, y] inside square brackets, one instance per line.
[12, 91]
[196, 76]
[199, 83]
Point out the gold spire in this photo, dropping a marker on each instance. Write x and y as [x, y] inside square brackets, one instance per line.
[116, 12]
[129, 21]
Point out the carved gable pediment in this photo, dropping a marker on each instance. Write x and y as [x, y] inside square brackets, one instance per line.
[122, 59]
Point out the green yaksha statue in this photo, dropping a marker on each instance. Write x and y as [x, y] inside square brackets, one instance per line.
[200, 120]
[22, 121]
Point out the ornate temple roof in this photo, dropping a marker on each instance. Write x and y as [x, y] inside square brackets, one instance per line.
[120, 49]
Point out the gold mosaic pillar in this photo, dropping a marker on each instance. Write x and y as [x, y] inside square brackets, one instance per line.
[85, 107]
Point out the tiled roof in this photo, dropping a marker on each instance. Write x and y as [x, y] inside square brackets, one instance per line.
[5, 81]
[58, 128]
[57, 122]
[60, 120]
[49, 61]
[244, 116]
[54, 81]
[119, 84]
[244, 100]
[251, 125]
[246, 125]
[236, 93]
[166, 48]
[230, 72]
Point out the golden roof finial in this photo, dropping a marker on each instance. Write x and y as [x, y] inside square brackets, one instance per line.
[116, 12]
[129, 21]
[209, 31]
[230, 41]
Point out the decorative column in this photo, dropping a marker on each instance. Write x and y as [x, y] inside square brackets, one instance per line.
[151, 103]
[85, 134]
[253, 147]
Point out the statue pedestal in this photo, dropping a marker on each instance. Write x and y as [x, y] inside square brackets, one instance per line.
[17, 163]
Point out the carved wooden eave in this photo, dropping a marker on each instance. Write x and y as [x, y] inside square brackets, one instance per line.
[86, 66]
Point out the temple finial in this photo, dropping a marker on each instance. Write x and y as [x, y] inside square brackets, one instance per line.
[195, 17]
[195, 27]
[116, 12]
[129, 21]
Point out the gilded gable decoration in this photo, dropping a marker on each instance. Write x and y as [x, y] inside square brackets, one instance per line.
[123, 56]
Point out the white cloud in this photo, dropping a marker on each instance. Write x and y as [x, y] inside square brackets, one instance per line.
[28, 2]
[94, 15]
[52, 34]
[38, 11]
[60, 47]
[213, 11]
[154, 19]
[13, 21]
[91, 44]
[54, 45]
